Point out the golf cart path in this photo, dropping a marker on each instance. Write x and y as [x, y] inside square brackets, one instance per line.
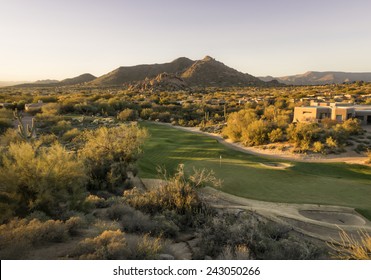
[322, 222]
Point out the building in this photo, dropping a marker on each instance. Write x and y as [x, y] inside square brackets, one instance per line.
[6, 105]
[32, 107]
[335, 111]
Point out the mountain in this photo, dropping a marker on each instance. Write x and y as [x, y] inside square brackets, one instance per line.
[10, 83]
[210, 72]
[46, 82]
[84, 78]
[163, 82]
[321, 78]
[206, 72]
[129, 74]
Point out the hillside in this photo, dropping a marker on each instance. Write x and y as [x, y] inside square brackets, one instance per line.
[210, 72]
[163, 82]
[10, 83]
[84, 78]
[129, 74]
[321, 78]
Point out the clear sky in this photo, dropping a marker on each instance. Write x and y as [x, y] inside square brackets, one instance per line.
[57, 39]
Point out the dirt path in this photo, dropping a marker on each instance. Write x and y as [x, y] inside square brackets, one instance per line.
[318, 221]
[321, 222]
[348, 157]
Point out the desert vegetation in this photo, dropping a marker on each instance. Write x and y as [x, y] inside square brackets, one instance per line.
[70, 187]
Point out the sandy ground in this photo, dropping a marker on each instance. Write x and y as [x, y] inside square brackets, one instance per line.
[317, 221]
[322, 222]
[348, 157]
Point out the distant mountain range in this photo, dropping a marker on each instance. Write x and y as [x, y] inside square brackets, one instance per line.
[82, 79]
[11, 83]
[320, 78]
[184, 73]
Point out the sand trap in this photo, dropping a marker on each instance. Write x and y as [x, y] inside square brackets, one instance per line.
[153, 183]
[331, 217]
[276, 165]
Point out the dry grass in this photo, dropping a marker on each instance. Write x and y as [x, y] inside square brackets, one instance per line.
[352, 248]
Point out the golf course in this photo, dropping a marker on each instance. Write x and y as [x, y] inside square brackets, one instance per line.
[254, 177]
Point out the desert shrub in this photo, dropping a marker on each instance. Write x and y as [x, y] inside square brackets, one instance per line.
[352, 126]
[6, 117]
[179, 197]
[47, 139]
[239, 252]
[75, 224]
[331, 143]
[101, 225]
[328, 123]
[48, 179]
[128, 115]
[352, 248]
[4, 125]
[96, 201]
[146, 113]
[109, 154]
[110, 245]
[134, 221]
[10, 136]
[318, 147]
[225, 236]
[147, 248]
[276, 135]
[256, 133]
[237, 122]
[19, 236]
[303, 135]
[70, 134]
[179, 194]
[61, 127]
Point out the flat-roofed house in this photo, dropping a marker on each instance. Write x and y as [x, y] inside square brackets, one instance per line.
[311, 113]
[32, 107]
[335, 111]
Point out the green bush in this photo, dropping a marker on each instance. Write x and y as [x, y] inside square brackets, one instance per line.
[109, 153]
[49, 179]
[127, 115]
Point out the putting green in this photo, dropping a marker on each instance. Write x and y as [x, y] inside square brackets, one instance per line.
[244, 175]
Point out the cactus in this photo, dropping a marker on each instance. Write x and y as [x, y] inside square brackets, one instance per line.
[26, 132]
[225, 112]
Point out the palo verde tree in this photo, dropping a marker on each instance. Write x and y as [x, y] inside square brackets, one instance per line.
[109, 153]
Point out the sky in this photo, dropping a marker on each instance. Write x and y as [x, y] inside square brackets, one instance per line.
[57, 39]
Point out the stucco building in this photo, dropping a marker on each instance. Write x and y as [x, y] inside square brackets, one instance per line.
[335, 111]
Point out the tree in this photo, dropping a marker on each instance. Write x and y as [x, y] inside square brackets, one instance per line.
[109, 153]
[256, 133]
[48, 179]
[237, 122]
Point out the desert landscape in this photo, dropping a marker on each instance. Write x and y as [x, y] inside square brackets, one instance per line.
[185, 131]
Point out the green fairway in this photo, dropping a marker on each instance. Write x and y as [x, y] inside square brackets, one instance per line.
[244, 175]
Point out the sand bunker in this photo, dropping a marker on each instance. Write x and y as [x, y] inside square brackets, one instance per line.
[153, 183]
[332, 217]
[276, 165]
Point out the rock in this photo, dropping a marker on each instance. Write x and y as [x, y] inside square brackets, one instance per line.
[166, 257]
